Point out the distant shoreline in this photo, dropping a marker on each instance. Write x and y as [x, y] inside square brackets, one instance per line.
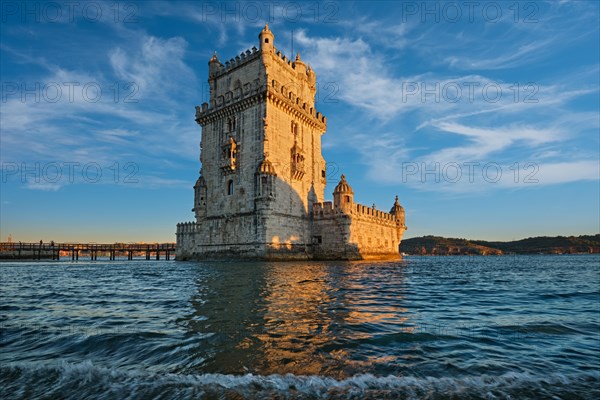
[441, 246]
[437, 245]
[499, 255]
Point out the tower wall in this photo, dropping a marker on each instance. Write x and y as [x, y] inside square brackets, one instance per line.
[235, 113]
[356, 232]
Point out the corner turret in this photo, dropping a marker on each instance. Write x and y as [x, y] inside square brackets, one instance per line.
[200, 198]
[312, 77]
[266, 168]
[266, 39]
[343, 196]
[398, 211]
[214, 65]
[300, 66]
[265, 179]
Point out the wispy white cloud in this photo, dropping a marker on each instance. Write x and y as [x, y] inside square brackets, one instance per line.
[489, 59]
[392, 35]
[117, 136]
[43, 186]
[564, 172]
[157, 67]
[484, 142]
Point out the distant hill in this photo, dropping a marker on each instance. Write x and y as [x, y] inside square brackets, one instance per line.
[436, 245]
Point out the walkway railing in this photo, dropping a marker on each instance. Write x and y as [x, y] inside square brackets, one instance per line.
[55, 250]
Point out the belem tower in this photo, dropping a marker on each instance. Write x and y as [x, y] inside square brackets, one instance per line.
[261, 189]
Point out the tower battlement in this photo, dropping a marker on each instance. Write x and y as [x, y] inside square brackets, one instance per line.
[186, 227]
[276, 91]
[249, 91]
[261, 189]
[326, 209]
[284, 96]
[236, 62]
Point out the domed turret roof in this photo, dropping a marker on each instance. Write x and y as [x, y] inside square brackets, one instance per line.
[396, 208]
[266, 168]
[343, 186]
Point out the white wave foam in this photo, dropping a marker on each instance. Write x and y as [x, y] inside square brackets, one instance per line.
[98, 381]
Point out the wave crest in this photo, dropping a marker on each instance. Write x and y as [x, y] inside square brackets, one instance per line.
[74, 381]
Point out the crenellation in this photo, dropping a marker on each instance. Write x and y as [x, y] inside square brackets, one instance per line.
[237, 62]
[360, 211]
[284, 95]
[250, 90]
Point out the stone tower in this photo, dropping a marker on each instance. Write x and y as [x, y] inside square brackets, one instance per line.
[262, 166]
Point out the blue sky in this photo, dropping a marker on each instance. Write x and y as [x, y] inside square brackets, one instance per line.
[482, 117]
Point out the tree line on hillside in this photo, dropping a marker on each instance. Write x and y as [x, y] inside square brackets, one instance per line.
[436, 245]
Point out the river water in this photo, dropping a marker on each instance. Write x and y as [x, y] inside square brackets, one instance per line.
[426, 327]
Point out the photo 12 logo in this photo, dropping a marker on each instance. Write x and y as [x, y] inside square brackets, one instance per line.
[54, 92]
[55, 172]
[53, 12]
[269, 11]
[470, 92]
[471, 171]
[470, 11]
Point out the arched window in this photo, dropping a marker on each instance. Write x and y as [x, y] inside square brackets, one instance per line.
[230, 187]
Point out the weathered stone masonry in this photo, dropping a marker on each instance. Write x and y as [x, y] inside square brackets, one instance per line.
[260, 193]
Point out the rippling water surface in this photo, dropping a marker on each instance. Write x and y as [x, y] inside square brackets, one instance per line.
[426, 327]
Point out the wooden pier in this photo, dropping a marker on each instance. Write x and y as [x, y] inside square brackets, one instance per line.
[53, 251]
